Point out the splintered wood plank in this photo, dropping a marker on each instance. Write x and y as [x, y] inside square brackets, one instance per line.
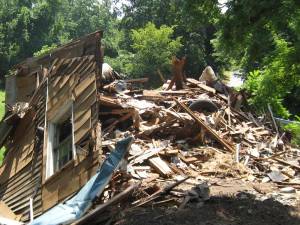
[79, 65]
[80, 109]
[55, 67]
[90, 69]
[66, 87]
[58, 83]
[201, 85]
[82, 131]
[207, 128]
[188, 159]
[83, 85]
[6, 211]
[65, 90]
[52, 111]
[81, 120]
[86, 68]
[70, 64]
[56, 103]
[160, 166]
[261, 133]
[90, 89]
[207, 88]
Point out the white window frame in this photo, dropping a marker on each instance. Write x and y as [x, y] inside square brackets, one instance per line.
[50, 125]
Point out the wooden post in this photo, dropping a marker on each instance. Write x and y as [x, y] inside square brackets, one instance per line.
[205, 126]
[177, 71]
[31, 209]
[98, 58]
[97, 141]
[273, 120]
[161, 76]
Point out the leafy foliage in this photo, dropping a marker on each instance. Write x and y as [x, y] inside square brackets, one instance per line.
[193, 21]
[45, 50]
[23, 28]
[274, 82]
[263, 37]
[153, 48]
[27, 26]
[294, 128]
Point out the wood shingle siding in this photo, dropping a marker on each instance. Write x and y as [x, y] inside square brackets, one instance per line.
[71, 73]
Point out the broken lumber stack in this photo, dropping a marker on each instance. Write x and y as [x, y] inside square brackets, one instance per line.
[176, 139]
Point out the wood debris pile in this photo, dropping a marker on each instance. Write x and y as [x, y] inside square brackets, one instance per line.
[189, 136]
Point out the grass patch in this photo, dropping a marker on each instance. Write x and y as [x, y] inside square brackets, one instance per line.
[2, 112]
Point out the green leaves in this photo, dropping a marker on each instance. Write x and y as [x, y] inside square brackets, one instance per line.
[275, 81]
[45, 50]
[263, 37]
[294, 128]
[153, 49]
[27, 26]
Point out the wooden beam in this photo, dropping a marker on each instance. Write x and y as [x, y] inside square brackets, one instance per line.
[94, 214]
[205, 126]
[273, 120]
[6, 211]
[161, 76]
[160, 166]
[286, 163]
[138, 80]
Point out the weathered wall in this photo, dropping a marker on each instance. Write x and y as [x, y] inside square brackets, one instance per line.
[21, 172]
[76, 83]
[74, 74]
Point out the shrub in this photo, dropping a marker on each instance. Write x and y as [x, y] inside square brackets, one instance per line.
[153, 48]
[294, 128]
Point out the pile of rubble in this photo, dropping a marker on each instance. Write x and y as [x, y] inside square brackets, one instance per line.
[188, 138]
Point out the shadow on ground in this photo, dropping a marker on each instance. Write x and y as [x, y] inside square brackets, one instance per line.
[218, 210]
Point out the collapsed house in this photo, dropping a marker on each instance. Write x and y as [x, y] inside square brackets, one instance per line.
[66, 119]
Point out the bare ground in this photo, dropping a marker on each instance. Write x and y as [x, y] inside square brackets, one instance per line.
[231, 203]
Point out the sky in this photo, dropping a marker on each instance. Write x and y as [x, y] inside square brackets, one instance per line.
[224, 8]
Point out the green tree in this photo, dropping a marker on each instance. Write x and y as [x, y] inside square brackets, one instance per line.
[153, 49]
[263, 36]
[24, 29]
[192, 20]
[29, 26]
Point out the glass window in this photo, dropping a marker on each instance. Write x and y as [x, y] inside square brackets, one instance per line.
[62, 144]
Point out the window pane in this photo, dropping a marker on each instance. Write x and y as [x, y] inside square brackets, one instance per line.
[63, 144]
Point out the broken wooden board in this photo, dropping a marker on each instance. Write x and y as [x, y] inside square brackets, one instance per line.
[160, 166]
[206, 127]
[201, 85]
[6, 211]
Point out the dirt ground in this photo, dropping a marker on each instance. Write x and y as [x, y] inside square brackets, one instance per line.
[231, 203]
